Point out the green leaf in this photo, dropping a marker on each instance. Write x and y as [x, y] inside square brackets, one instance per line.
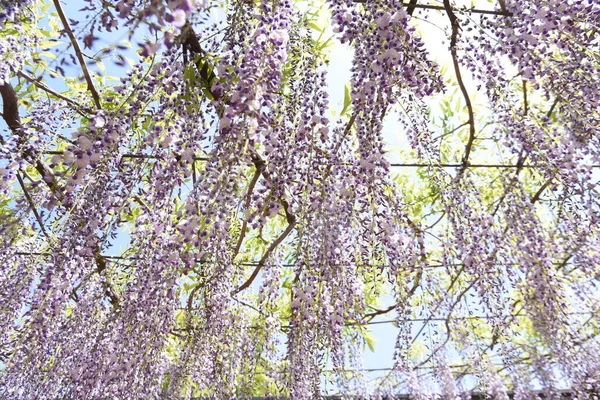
[347, 99]
[189, 74]
[101, 66]
[314, 26]
[325, 43]
[369, 340]
[49, 43]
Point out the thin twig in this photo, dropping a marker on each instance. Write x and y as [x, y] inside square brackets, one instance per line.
[32, 205]
[259, 165]
[78, 107]
[450, 132]
[551, 110]
[525, 104]
[142, 203]
[411, 292]
[536, 197]
[347, 130]
[447, 323]
[190, 300]
[78, 53]
[454, 280]
[520, 162]
[291, 220]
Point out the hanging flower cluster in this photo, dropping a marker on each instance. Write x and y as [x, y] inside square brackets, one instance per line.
[9, 10]
[17, 41]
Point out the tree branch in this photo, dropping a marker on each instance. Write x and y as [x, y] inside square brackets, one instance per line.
[520, 165]
[259, 165]
[78, 107]
[10, 107]
[410, 293]
[536, 197]
[410, 8]
[32, 205]
[78, 53]
[291, 220]
[502, 5]
[347, 130]
[447, 323]
[461, 84]
[189, 38]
